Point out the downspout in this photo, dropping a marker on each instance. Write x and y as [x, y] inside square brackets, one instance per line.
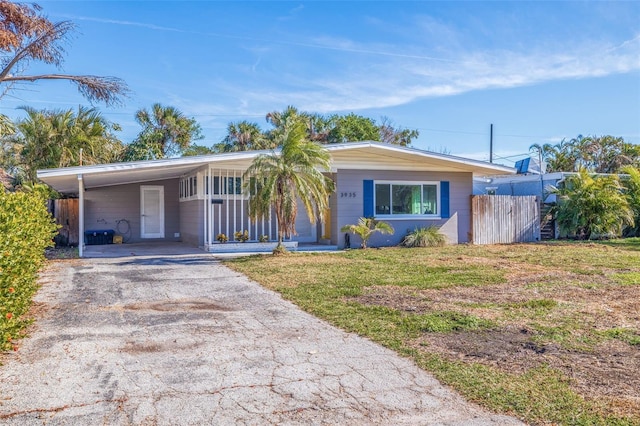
[81, 216]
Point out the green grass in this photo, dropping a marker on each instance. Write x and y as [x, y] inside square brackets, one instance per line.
[625, 334]
[468, 291]
[627, 278]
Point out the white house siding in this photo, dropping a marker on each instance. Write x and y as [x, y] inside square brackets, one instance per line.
[192, 222]
[349, 199]
[105, 206]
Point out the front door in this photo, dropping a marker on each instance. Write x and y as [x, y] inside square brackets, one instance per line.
[151, 211]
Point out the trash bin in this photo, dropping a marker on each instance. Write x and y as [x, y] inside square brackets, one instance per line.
[99, 236]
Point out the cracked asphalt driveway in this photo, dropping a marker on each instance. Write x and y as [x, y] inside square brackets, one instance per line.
[185, 340]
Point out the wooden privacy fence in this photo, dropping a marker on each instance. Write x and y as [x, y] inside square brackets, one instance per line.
[503, 219]
[65, 211]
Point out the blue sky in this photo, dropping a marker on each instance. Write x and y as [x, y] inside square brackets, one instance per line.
[539, 71]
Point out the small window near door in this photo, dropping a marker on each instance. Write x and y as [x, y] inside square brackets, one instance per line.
[188, 188]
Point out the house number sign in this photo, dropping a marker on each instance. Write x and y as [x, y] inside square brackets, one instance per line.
[347, 195]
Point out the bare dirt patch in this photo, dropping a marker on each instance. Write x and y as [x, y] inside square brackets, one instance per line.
[133, 347]
[179, 305]
[58, 253]
[604, 370]
[608, 373]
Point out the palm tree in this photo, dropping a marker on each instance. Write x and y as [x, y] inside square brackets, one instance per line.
[366, 227]
[166, 131]
[277, 181]
[243, 136]
[48, 139]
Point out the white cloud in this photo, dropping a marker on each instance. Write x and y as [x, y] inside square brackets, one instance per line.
[377, 79]
[330, 73]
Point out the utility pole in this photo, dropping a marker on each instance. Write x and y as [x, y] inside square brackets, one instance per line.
[491, 143]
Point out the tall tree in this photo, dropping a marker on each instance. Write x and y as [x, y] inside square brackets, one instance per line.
[166, 132]
[335, 128]
[243, 136]
[51, 139]
[396, 136]
[281, 120]
[278, 180]
[26, 36]
[195, 149]
[352, 128]
[599, 154]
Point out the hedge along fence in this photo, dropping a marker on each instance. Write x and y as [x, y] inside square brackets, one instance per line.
[26, 229]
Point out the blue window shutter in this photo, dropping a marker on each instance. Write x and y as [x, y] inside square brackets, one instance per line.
[367, 197]
[444, 199]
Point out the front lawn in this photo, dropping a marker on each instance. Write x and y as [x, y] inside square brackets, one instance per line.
[547, 332]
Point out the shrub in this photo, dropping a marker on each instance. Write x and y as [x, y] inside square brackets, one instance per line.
[632, 193]
[592, 207]
[241, 236]
[365, 228]
[26, 229]
[222, 238]
[425, 237]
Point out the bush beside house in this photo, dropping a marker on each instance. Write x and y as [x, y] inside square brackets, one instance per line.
[26, 229]
[597, 206]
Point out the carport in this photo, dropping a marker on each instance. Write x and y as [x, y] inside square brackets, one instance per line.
[146, 194]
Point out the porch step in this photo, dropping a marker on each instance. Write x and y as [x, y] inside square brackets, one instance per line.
[316, 247]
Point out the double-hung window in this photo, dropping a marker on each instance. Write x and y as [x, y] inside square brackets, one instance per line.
[396, 198]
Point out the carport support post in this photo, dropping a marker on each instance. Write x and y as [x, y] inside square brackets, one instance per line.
[81, 216]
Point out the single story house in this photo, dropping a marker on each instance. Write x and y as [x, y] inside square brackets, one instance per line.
[194, 199]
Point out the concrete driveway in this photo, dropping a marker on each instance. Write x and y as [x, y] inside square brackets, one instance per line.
[183, 340]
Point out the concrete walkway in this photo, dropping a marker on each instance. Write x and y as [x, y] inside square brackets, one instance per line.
[165, 248]
[186, 341]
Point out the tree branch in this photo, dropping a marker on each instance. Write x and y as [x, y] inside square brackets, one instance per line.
[109, 90]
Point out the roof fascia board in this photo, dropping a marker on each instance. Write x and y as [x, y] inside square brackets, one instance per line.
[138, 165]
[234, 156]
[425, 154]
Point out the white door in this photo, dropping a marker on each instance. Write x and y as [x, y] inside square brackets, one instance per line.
[151, 211]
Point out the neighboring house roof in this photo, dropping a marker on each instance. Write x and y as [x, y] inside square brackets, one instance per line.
[352, 155]
[529, 177]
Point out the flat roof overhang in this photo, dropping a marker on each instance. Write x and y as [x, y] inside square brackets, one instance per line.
[351, 155]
